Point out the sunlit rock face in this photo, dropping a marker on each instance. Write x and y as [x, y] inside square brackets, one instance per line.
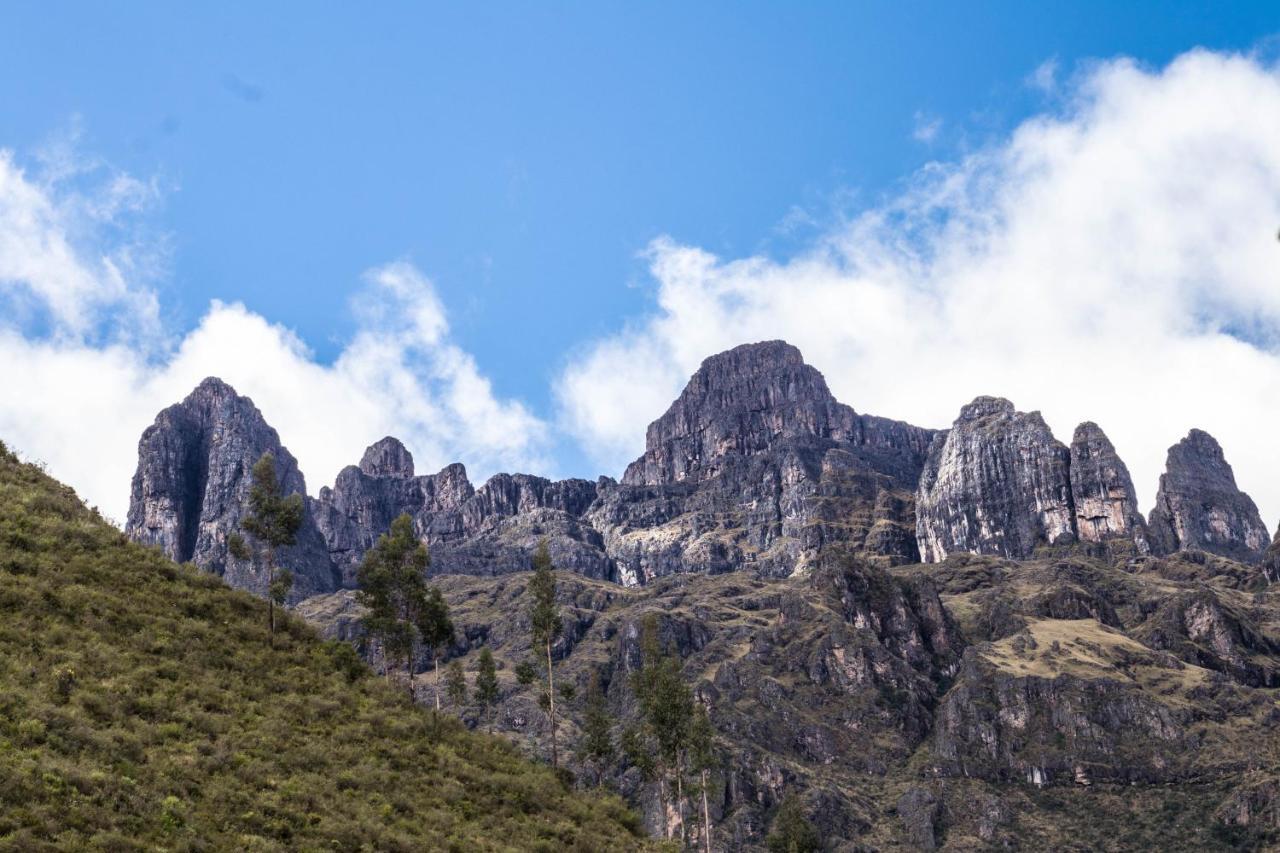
[997, 482]
[192, 484]
[1200, 507]
[756, 399]
[1106, 507]
[757, 466]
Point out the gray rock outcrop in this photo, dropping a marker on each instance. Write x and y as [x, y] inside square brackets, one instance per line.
[191, 487]
[997, 482]
[1200, 507]
[757, 466]
[1106, 506]
[1271, 560]
[490, 530]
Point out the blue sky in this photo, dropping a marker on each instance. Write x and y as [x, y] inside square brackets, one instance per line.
[523, 157]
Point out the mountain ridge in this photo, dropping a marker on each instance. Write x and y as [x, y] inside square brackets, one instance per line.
[1053, 644]
[754, 466]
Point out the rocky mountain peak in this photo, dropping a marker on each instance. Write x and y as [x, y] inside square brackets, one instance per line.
[739, 402]
[1102, 491]
[1200, 507]
[387, 458]
[997, 482]
[986, 407]
[213, 387]
[192, 483]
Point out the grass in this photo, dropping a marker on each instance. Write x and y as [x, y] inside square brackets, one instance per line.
[141, 708]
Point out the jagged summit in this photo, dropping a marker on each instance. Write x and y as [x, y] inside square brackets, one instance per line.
[996, 483]
[986, 407]
[1199, 505]
[192, 482]
[754, 466]
[740, 402]
[387, 458]
[1102, 491]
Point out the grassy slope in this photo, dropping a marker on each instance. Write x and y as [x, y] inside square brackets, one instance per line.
[141, 708]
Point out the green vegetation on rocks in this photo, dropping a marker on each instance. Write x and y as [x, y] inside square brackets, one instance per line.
[141, 708]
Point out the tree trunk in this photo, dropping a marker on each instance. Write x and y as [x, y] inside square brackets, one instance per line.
[551, 699]
[680, 800]
[435, 658]
[408, 673]
[706, 815]
[271, 601]
[662, 805]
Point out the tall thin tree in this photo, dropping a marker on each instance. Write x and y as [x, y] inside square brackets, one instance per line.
[702, 760]
[546, 627]
[436, 629]
[273, 522]
[455, 685]
[596, 748]
[486, 692]
[396, 597]
[666, 708]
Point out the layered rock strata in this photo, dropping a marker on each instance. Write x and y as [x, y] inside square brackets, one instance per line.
[1200, 507]
[1106, 506]
[997, 482]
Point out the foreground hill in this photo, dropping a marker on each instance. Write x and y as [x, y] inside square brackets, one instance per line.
[141, 708]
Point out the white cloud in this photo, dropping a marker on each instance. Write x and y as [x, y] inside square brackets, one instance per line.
[1115, 261]
[1045, 77]
[926, 127]
[79, 390]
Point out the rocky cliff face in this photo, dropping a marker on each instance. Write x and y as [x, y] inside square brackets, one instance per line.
[193, 481]
[490, 530]
[757, 466]
[964, 704]
[758, 399]
[1106, 506]
[1199, 506]
[997, 482]
[366, 498]
[1271, 560]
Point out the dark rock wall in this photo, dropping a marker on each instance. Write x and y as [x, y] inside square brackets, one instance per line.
[1199, 505]
[755, 466]
[192, 483]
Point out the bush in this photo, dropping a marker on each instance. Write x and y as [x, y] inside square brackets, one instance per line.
[144, 710]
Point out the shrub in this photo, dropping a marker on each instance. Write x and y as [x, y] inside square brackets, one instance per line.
[144, 710]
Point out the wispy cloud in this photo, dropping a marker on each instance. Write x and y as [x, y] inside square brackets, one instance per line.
[88, 363]
[1045, 76]
[1114, 261]
[926, 127]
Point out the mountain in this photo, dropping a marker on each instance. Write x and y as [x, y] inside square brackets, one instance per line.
[1199, 505]
[192, 484]
[963, 639]
[143, 710]
[755, 466]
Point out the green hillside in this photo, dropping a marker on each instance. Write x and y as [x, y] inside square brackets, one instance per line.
[141, 708]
